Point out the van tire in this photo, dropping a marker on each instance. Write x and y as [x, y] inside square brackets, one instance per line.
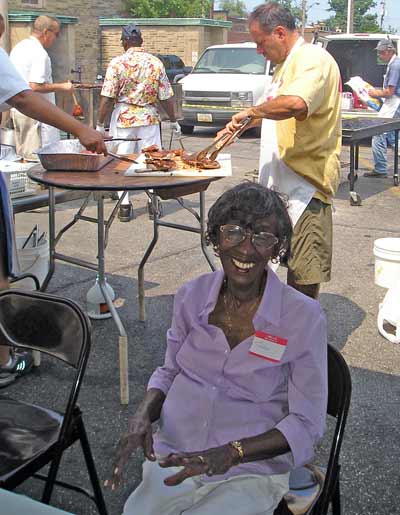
[187, 129]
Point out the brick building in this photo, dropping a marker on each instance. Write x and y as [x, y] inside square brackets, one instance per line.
[185, 37]
[79, 41]
[90, 34]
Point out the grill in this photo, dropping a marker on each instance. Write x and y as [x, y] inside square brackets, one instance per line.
[208, 98]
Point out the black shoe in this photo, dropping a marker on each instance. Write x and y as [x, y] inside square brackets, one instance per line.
[125, 213]
[375, 174]
[21, 364]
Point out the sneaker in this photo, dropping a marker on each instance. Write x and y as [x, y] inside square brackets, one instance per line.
[21, 363]
[125, 213]
[375, 174]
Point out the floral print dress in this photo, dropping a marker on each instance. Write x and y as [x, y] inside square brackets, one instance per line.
[137, 80]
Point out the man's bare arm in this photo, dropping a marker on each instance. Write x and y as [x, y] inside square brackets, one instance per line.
[51, 88]
[35, 106]
[281, 108]
[106, 104]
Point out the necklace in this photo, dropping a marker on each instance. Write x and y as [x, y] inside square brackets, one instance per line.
[243, 311]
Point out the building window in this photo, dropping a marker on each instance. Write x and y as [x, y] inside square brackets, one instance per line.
[33, 3]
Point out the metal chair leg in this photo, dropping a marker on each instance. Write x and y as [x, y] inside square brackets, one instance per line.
[94, 478]
[51, 478]
[336, 505]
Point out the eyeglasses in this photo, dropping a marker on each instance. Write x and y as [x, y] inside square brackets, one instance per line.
[234, 235]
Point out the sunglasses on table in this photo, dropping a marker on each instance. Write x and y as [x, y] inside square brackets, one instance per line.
[235, 234]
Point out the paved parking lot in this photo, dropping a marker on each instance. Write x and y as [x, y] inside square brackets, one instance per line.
[371, 453]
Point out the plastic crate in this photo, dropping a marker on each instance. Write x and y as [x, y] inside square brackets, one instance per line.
[17, 179]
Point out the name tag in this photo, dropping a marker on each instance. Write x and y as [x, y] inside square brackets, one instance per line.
[267, 346]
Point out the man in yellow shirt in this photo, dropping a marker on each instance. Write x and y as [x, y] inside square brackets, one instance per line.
[300, 139]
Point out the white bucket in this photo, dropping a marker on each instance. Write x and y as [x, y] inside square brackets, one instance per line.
[32, 261]
[389, 313]
[387, 261]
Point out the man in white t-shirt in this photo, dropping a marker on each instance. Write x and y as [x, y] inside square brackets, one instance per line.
[32, 61]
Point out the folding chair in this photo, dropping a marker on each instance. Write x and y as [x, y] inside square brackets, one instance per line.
[32, 436]
[313, 488]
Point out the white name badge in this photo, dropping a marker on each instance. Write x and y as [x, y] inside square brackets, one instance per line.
[267, 346]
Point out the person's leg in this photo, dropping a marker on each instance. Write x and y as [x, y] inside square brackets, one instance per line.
[12, 364]
[311, 249]
[241, 495]
[311, 290]
[152, 497]
[126, 147]
[379, 151]
[27, 135]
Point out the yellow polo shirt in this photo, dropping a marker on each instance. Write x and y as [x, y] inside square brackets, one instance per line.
[312, 147]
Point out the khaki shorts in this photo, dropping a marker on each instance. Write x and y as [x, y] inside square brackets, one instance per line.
[311, 245]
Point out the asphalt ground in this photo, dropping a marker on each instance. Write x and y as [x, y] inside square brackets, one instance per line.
[370, 454]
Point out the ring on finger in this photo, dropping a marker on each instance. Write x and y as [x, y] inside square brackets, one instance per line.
[202, 460]
[210, 472]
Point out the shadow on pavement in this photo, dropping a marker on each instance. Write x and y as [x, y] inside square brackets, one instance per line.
[343, 316]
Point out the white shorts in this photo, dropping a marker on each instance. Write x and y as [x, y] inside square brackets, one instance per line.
[149, 134]
[240, 495]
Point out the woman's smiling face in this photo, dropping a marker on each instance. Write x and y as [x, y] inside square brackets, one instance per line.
[244, 262]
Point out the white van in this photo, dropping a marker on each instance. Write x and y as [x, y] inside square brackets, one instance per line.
[356, 55]
[225, 80]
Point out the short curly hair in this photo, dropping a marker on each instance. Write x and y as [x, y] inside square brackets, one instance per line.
[256, 201]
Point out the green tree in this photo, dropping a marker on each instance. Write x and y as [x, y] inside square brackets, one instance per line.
[234, 7]
[294, 7]
[363, 20]
[168, 9]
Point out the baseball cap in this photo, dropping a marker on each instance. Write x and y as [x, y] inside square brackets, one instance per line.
[131, 31]
[385, 44]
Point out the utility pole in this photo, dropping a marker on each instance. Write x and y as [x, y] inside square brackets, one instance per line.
[350, 16]
[303, 15]
[383, 12]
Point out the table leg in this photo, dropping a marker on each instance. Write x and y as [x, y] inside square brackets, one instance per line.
[203, 227]
[123, 338]
[52, 239]
[149, 250]
[355, 199]
[396, 158]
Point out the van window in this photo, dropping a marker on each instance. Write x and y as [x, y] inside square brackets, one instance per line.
[231, 60]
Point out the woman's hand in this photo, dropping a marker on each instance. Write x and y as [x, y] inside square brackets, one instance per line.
[213, 461]
[140, 434]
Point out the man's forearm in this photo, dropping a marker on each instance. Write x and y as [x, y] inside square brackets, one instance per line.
[105, 106]
[47, 87]
[35, 106]
[280, 108]
[382, 92]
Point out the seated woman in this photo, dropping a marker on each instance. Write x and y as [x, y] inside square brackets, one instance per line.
[241, 397]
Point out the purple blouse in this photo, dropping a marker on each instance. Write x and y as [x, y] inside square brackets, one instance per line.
[215, 394]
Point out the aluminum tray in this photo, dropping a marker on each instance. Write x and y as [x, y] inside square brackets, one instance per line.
[65, 156]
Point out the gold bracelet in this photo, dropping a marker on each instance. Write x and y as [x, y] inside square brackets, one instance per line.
[237, 445]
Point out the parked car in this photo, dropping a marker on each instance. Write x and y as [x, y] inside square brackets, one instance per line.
[225, 80]
[174, 66]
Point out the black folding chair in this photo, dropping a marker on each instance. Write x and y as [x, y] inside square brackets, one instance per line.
[32, 436]
[313, 488]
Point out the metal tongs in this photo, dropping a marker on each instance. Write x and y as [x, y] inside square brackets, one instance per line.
[217, 145]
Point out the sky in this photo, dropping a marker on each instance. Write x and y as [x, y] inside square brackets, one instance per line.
[319, 12]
